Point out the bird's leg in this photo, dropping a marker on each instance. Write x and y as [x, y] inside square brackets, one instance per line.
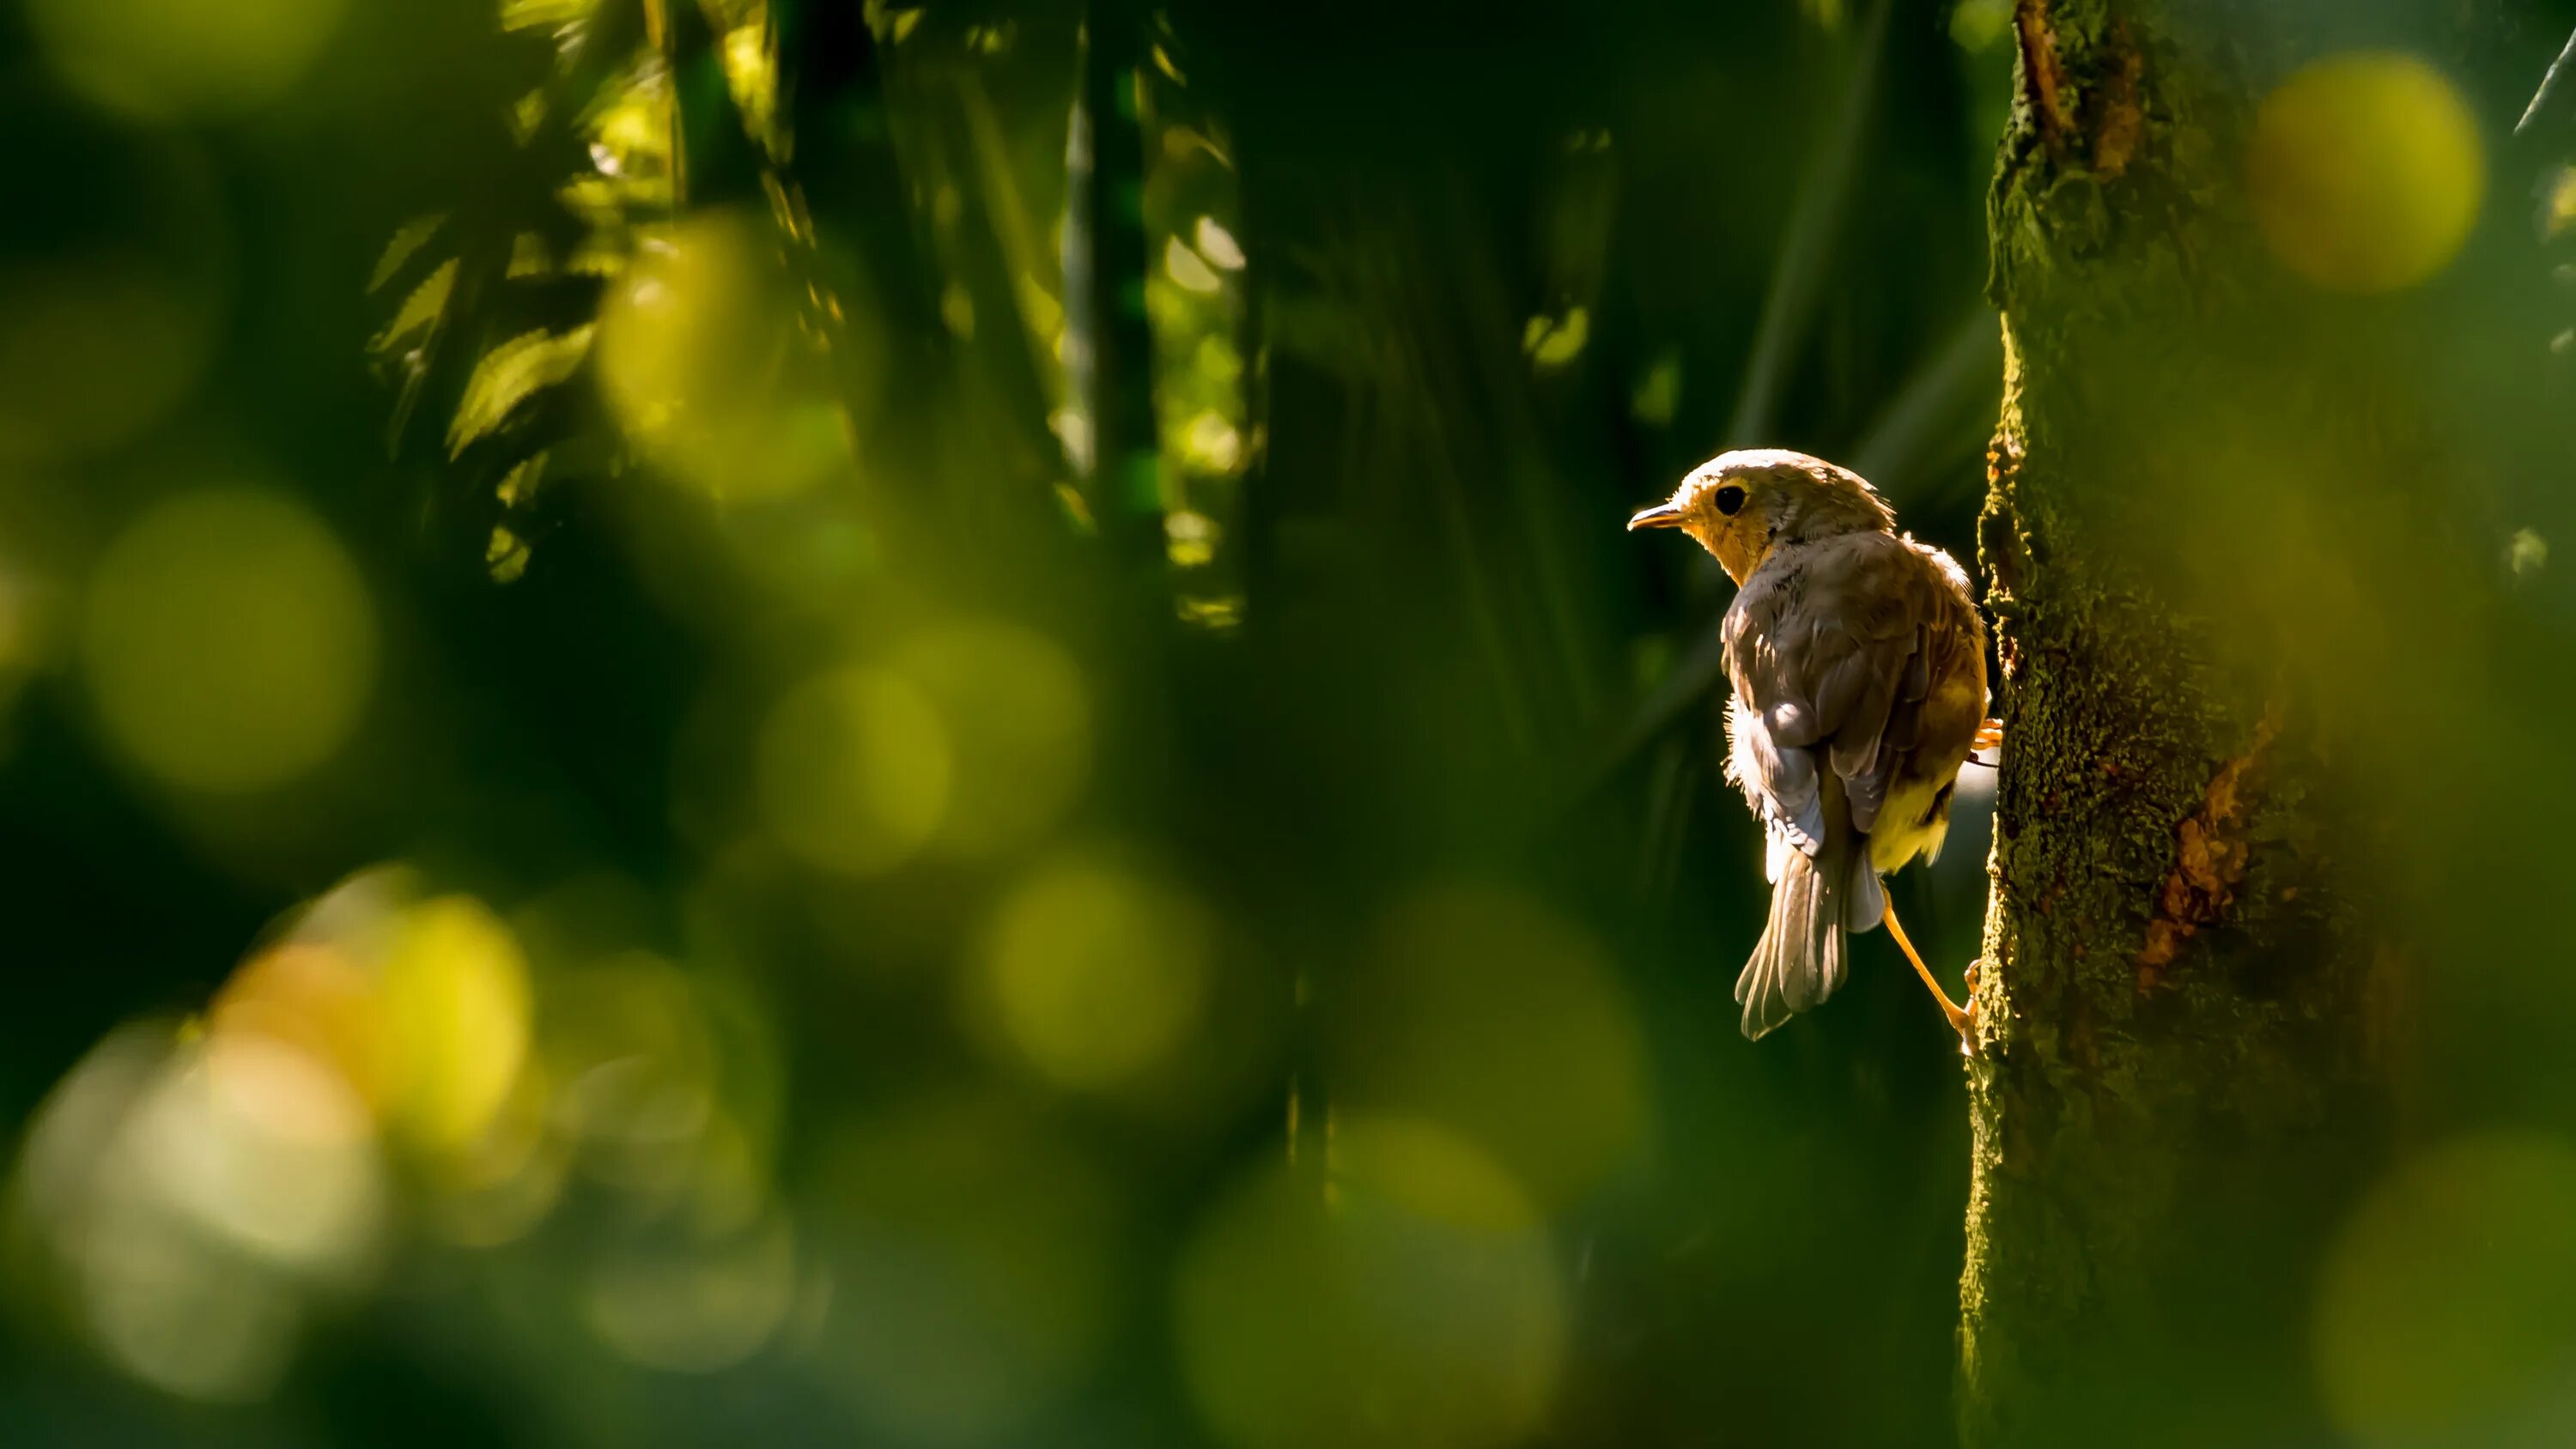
[1962, 1020]
[1990, 735]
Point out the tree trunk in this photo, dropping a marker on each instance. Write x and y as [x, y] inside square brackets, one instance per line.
[2187, 997]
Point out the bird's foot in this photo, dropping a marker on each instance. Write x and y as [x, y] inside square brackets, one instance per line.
[1965, 1019]
[1989, 736]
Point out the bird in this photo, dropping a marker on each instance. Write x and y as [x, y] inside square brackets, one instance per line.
[1857, 660]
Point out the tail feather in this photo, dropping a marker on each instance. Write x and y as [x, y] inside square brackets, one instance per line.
[1817, 904]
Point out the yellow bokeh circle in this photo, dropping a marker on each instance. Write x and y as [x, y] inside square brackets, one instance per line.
[160, 57]
[1404, 1298]
[684, 1300]
[699, 354]
[2446, 1310]
[229, 641]
[1488, 1012]
[680, 325]
[2365, 172]
[113, 291]
[853, 772]
[1097, 973]
[320, 999]
[192, 1196]
[977, 1256]
[1018, 720]
[93, 350]
[456, 1000]
[421, 1006]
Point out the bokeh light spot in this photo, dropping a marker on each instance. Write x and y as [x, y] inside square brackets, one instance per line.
[418, 1007]
[854, 772]
[1415, 1304]
[696, 350]
[1218, 244]
[113, 292]
[194, 56]
[693, 1306]
[976, 1271]
[1188, 270]
[1552, 342]
[230, 643]
[104, 345]
[1017, 720]
[313, 997]
[456, 1001]
[1097, 972]
[664, 1085]
[2526, 553]
[2365, 172]
[2446, 1313]
[193, 1198]
[269, 1148]
[1481, 1010]
[497, 1187]
[672, 327]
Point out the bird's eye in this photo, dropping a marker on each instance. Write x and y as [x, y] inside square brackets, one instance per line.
[1729, 499]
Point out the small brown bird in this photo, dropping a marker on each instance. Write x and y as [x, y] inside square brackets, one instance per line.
[1859, 665]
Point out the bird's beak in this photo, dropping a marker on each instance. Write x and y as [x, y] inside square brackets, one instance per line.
[1662, 515]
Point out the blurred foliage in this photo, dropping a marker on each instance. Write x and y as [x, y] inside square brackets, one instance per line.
[925, 724]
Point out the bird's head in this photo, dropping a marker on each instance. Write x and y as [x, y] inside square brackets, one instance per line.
[1743, 504]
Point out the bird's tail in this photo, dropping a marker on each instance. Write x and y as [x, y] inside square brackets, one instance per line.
[1817, 904]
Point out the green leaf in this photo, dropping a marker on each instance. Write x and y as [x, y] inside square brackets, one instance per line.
[517, 15]
[509, 375]
[407, 242]
[420, 311]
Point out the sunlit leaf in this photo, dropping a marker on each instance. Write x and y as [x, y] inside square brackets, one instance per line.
[1191, 539]
[526, 115]
[406, 244]
[506, 556]
[420, 311]
[519, 15]
[529, 256]
[1553, 342]
[519, 486]
[630, 130]
[1218, 245]
[1214, 614]
[1659, 391]
[1188, 270]
[509, 375]
[751, 73]
[890, 25]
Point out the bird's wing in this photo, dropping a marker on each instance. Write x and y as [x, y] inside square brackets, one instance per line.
[1830, 651]
[1780, 785]
[1936, 714]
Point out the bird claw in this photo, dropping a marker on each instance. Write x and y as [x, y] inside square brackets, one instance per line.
[1966, 1020]
[1989, 736]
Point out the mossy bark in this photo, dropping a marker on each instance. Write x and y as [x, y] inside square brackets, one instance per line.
[2184, 997]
